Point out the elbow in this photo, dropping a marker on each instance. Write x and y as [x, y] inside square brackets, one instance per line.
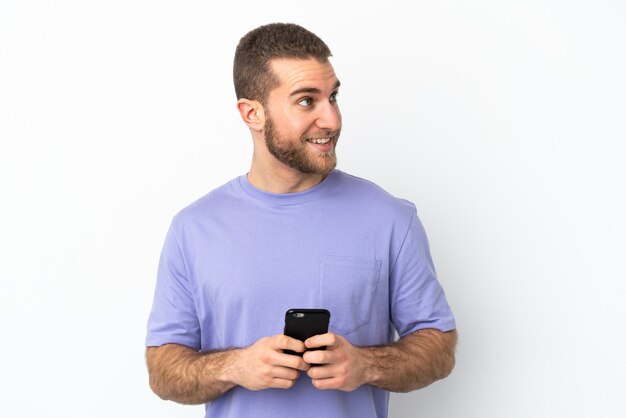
[447, 368]
[157, 378]
[167, 394]
[440, 369]
[436, 370]
[449, 354]
[443, 362]
[157, 388]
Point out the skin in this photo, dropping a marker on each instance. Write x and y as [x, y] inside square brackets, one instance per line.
[187, 376]
[301, 108]
[413, 362]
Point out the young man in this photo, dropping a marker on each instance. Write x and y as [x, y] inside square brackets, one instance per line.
[295, 233]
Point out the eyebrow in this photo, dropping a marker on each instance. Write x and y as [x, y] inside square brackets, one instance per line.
[313, 90]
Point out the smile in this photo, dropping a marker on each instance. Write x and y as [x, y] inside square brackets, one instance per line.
[319, 140]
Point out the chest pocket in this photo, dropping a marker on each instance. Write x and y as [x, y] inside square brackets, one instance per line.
[348, 289]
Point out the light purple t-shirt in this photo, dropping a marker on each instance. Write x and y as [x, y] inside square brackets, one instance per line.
[237, 259]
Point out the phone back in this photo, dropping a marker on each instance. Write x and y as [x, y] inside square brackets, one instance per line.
[305, 323]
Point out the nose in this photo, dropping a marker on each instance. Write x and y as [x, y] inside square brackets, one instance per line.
[329, 117]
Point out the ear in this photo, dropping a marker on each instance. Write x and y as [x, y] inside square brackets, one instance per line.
[252, 113]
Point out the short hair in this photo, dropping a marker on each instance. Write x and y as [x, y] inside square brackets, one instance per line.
[252, 74]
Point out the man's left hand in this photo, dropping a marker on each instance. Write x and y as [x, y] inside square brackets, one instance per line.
[341, 366]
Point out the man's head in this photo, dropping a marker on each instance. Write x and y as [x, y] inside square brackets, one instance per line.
[287, 91]
[252, 74]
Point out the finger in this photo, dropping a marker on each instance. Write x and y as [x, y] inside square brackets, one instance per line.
[283, 342]
[278, 383]
[322, 372]
[330, 383]
[328, 340]
[319, 357]
[292, 361]
[285, 373]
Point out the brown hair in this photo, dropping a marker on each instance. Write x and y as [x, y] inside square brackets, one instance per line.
[252, 74]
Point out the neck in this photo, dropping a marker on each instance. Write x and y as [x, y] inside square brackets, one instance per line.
[276, 177]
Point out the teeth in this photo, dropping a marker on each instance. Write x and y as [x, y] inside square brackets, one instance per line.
[319, 140]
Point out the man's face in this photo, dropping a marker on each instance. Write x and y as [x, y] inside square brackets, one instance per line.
[302, 119]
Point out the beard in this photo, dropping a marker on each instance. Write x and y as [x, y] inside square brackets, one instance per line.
[296, 154]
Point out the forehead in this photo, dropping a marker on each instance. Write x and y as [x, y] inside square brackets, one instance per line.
[295, 74]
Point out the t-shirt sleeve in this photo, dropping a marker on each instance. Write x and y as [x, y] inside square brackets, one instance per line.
[173, 318]
[417, 299]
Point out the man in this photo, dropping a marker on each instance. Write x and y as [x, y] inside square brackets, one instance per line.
[295, 233]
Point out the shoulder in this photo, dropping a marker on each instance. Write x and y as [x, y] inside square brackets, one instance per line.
[218, 200]
[367, 194]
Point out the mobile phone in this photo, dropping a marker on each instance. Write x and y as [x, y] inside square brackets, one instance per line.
[305, 323]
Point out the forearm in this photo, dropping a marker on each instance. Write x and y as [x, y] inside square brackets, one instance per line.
[184, 375]
[413, 362]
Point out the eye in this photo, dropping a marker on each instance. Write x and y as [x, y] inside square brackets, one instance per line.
[306, 102]
[333, 97]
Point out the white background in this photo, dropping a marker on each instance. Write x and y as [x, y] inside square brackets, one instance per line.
[503, 121]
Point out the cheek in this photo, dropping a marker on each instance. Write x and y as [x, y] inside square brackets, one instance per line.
[292, 124]
[301, 128]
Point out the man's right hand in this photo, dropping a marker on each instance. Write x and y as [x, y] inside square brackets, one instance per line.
[263, 365]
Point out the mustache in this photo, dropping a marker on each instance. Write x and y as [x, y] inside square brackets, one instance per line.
[328, 134]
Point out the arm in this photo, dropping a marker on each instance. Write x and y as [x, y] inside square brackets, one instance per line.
[413, 362]
[188, 376]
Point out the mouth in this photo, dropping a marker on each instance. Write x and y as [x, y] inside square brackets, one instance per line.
[320, 141]
[322, 145]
